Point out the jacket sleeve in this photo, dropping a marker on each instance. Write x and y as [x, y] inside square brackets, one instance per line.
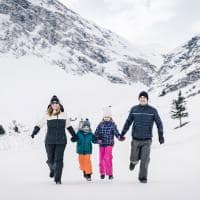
[42, 122]
[68, 122]
[128, 123]
[97, 132]
[115, 130]
[159, 123]
[94, 139]
[71, 131]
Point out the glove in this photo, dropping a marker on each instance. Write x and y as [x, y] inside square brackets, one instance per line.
[121, 138]
[74, 138]
[35, 131]
[161, 140]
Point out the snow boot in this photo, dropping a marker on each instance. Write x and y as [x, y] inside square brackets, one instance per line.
[58, 181]
[51, 175]
[132, 166]
[88, 177]
[110, 177]
[102, 176]
[84, 174]
[143, 180]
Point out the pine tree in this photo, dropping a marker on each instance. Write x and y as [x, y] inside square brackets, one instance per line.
[179, 108]
[2, 131]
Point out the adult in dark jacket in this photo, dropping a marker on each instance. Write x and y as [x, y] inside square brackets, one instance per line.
[55, 142]
[142, 117]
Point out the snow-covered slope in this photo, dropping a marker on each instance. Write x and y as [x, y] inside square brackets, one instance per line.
[154, 53]
[56, 39]
[25, 93]
[48, 29]
[28, 83]
[181, 69]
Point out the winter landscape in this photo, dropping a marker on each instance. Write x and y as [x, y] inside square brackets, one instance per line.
[48, 49]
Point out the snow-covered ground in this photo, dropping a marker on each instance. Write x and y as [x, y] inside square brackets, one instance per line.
[26, 87]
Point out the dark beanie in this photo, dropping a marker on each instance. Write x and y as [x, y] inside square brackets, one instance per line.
[144, 94]
[86, 123]
[54, 99]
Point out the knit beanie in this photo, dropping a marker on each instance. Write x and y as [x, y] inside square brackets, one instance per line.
[54, 99]
[144, 94]
[107, 112]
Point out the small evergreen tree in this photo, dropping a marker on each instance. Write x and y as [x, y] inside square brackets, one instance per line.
[179, 108]
[2, 131]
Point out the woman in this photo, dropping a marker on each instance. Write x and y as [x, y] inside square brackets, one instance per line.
[56, 140]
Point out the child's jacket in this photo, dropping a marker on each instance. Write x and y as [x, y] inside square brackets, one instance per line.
[84, 143]
[105, 132]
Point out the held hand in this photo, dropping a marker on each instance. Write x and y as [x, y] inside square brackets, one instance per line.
[121, 138]
[99, 141]
[74, 138]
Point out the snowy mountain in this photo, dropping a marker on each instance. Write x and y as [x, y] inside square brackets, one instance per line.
[48, 29]
[181, 69]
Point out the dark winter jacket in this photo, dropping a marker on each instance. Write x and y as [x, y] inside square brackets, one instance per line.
[105, 132]
[56, 126]
[84, 142]
[143, 118]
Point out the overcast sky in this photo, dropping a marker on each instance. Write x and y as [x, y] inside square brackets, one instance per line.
[168, 23]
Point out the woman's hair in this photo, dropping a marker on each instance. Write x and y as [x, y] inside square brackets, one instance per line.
[50, 110]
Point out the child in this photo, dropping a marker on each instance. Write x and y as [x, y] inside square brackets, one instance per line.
[84, 139]
[105, 133]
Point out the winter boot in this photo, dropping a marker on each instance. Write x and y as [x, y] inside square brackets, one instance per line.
[143, 180]
[58, 181]
[84, 174]
[51, 175]
[102, 176]
[110, 177]
[88, 177]
[132, 166]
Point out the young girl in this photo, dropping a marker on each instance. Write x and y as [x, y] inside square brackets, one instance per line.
[105, 133]
[55, 142]
[84, 139]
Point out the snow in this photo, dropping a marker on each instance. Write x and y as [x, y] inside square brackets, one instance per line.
[73, 38]
[26, 86]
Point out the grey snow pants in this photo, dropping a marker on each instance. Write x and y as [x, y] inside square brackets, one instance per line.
[140, 150]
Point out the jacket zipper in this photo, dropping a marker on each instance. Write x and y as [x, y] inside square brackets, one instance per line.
[57, 129]
[84, 145]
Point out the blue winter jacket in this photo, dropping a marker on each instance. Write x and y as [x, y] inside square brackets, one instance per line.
[143, 118]
[105, 132]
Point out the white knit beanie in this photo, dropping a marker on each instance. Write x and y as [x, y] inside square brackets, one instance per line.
[107, 111]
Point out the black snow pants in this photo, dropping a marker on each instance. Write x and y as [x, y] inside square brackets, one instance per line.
[55, 154]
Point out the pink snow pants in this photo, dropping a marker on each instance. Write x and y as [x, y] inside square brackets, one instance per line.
[105, 164]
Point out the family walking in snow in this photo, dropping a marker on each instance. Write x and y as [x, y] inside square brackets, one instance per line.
[141, 117]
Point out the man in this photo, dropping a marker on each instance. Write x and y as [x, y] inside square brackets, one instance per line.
[142, 117]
